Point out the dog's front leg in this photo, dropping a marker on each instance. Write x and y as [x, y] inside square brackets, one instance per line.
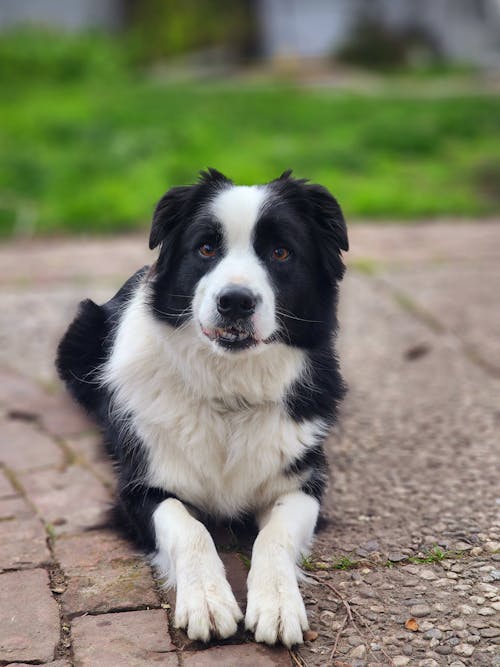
[275, 609]
[205, 604]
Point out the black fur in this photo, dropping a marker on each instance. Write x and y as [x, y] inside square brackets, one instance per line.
[300, 216]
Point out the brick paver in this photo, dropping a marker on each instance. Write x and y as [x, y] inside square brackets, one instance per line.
[70, 499]
[22, 536]
[125, 639]
[25, 447]
[104, 574]
[29, 618]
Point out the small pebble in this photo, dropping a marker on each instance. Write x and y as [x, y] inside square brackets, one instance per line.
[489, 632]
[466, 610]
[396, 556]
[310, 635]
[458, 624]
[433, 633]
[354, 640]
[457, 663]
[326, 618]
[358, 651]
[428, 575]
[492, 547]
[477, 599]
[426, 625]
[443, 649]
[464, 649]
[486, 611]
[400, 660]
[496, 606]
[420, 610]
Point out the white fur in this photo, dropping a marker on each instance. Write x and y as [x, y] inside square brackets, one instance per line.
[215, 428]
[187, 557]
[275, 609]
[237, 208]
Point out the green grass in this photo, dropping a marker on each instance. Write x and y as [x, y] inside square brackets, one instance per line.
[341, 563]
[89, 144]
[435, 555]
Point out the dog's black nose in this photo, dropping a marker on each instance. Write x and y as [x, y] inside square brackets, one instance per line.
[236, 302]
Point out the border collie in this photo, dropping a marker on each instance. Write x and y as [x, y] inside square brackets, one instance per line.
[213, 377]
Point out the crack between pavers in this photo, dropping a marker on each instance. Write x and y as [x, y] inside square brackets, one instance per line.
[64, 648]
[113, 610]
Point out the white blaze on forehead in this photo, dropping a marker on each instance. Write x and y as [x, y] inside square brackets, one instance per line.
[238, 208]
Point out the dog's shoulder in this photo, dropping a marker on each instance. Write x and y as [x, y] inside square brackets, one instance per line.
[85, 345]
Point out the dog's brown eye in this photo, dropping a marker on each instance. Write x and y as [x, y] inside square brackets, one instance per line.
[207, 250]
[281, 254]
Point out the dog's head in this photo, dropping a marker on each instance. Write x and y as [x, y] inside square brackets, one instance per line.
[249, 265]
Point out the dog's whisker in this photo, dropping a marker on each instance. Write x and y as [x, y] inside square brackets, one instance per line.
[295, 317]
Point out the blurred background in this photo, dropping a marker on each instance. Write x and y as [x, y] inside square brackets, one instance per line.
[104, 104]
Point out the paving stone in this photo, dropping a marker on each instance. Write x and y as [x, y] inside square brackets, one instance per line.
[91, 548]
[19, 393]
[104, 573]
[29, 617]
[111, 587]
[236, 573]
[70, 500]
[6, 488]
[476, 323]
[243, 655]
[65, 418]
[23, 541]
[24, 447]
[88, 445]
[124, 639]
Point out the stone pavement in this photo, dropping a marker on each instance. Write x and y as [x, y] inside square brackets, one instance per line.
[406, 568]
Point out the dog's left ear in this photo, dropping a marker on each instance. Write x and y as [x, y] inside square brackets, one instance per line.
[168, 213]
[330, 219]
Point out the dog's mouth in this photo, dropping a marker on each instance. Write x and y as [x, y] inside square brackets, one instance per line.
[231, 337]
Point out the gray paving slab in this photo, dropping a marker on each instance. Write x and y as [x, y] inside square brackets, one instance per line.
[463, 298]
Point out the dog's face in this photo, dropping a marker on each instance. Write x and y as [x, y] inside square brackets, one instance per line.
[249, 265]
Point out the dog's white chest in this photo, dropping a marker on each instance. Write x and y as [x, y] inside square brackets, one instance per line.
[224, 461]
[215, 429]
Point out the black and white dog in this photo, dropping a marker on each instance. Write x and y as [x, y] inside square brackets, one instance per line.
[213, 377]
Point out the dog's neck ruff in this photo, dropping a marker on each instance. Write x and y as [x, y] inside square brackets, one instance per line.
[149, 355]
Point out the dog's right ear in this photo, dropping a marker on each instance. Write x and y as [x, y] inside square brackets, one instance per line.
[168, 213]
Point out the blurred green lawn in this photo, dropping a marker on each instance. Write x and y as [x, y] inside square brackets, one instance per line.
[90, 144]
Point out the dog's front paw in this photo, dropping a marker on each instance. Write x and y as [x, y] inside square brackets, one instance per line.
[205, 605]
[275, 609]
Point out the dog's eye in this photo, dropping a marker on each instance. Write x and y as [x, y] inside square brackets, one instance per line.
[207, 249]
[281, 254]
